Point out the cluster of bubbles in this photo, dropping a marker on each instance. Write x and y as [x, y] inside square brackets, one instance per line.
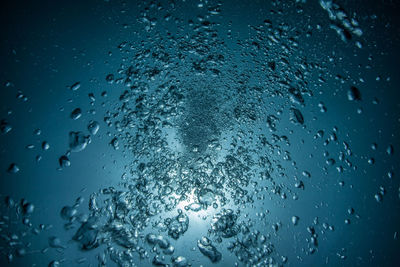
[193, 117]
[17, 229]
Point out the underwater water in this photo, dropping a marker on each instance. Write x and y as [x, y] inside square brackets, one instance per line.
[200, 133]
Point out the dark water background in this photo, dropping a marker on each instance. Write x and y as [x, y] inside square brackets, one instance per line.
[48, 46]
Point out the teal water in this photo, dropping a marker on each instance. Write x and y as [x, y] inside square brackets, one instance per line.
[199, 133]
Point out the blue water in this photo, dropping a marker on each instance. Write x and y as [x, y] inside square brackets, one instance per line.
[199, 133]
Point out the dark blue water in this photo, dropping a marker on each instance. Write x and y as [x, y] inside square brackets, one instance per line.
[199, 133]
